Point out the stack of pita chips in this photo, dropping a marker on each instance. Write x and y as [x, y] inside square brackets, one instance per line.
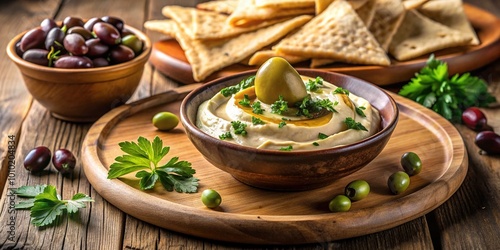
[220, 33]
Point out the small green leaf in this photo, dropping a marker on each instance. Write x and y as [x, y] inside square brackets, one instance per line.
[77, 202]
[148, 179]
[29, 191]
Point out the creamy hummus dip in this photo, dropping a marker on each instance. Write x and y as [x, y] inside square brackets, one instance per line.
[220, 115]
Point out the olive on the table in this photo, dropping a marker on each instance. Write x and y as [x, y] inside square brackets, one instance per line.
[37, 56]
[488, 141]
[165, 121]
[211, 198]
[32, 39]
[357, 190]
[411, 163]
[107, 33]
[275, 78]
[398, 182]
[73, 62]
[475, 119]
[133, 42]
[37, 159]
[64, 161]
[340, 203]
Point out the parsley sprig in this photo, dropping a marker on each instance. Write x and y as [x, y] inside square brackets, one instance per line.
[46, 206]
[243, 84]
[433, 88]
[145, 156]
[314, 85]
[352, 124]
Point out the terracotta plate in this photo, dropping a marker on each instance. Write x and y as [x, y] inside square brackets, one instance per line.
[251, 215]
[168, 57]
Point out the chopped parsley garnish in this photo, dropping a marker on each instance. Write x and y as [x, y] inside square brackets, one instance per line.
[257, 121]
[314, 86]
[433, 88]
[359, 111]
[256, 108]
[281, 124]
[243, 84]
[226, 136]
[239, 128]
[289, 148]
[145, 156]
[308, 106]
[352, 124]
[245, 101]
[340, 90]
[279, 106]
[322, 136]
[315, 144]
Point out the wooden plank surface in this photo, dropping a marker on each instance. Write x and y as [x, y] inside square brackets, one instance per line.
[469, 220]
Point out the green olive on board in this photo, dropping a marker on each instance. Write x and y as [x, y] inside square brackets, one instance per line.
[275, 78]
[398, 182]
[357, 190]
[340, 203]
[411, 163]
[211, 198]
[165, 121]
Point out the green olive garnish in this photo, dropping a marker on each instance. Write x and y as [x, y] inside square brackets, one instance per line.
[165, 121]
[275, 78]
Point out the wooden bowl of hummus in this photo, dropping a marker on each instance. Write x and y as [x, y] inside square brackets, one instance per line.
[285, 152]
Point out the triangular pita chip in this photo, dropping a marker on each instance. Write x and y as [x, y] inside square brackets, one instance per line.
[166, 27]
[388, 17]
[451, 14]
[366, 12]
[206, 58]
[248, 13]
[261, 56]
[321, 5]
[356, 4]
[419, 35]
[219, 6]
[285, 4]
[337, 33]
[413, 4]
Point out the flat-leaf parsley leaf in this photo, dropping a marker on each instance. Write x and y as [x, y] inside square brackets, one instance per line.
[144, 157]
[352, 124]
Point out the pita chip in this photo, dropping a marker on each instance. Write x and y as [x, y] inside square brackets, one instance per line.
[451, 14]
[388, 17]
[285, 4]
[366, 12]
[207, 57]
[219, 6]
[248, 13]
[413, 4]
[261, 56]
[321, 5]
[419, 35]
[166, 27]
[337, 33]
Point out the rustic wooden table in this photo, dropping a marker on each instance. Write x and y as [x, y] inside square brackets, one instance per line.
[470, 219]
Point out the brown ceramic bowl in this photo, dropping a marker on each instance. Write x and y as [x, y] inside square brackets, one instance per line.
[295, 170]
[82, 95]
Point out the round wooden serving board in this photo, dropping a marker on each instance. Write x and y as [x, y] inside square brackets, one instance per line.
[251, 215]
[168, 57]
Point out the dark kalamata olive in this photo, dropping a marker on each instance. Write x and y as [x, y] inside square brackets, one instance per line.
[96, 48]
[115, 21]
[34, 38]
[73, 62]
[37, 159]
[126, 32]
[133, 42]
[75, 44]
[100, 62]
[475, 119]
[72, 22]
[81, 31]
[107, 33]
[37, 56]
[55, 39]
[89, 25]
[47, 24]
[488, 141]
[120, 54]
[19, 52]
[64, 161]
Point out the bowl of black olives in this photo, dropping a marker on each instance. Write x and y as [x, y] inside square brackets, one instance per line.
[80, 69]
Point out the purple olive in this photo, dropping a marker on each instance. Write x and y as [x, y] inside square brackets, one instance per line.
[115, 21]
[107, 33]
[72, 22]
[488, 141]
[47, 24]
[81, 31]
[34, 38]
[100, 62]
[120, 54]
[96, 48]
[64, 161]
[37, 56]
[475, 119]
[72, 62]
[55, 39]
[75, 44]
[89, 25]
[37, 159]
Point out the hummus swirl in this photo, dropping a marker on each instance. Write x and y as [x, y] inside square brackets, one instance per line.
[300, 133]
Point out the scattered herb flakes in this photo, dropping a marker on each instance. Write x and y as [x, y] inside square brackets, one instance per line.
[257, 121]
[281, 124]
[239, 127]
[433, 88]
[45, 204]
[360, 111]
[352, 124]
[341, 90]
[322, 136]
[243, 84]
[256, 108]
[307, 106]
[289, 148]
[245, 101]
[144, 157]
[315, 144]
[226, 136]
[314, 85]
[280, 106]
